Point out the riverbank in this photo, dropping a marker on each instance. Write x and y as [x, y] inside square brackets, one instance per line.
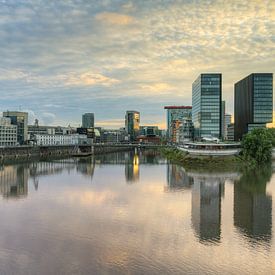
[59, 151]
[222, 163]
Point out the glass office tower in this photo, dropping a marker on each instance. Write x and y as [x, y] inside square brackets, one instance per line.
[206, 105]
[253, 103]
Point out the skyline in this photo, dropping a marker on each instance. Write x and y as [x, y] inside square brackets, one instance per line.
[61, 60]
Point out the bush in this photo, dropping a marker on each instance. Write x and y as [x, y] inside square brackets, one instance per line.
[257, 146]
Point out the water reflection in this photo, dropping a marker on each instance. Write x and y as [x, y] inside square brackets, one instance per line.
[252, 206]
[166, 230]
[132, 167]
[13, 181]
[177, 178]
[206, 206]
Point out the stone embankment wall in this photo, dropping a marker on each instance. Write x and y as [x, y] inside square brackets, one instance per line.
[25, 152]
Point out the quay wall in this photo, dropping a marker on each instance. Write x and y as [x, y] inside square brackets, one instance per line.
[25, 152]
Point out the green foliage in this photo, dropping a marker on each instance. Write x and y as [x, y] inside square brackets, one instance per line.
[257, 146]
[271, 131]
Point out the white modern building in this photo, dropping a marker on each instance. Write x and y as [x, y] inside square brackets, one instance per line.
[8, 132]
[44, 139]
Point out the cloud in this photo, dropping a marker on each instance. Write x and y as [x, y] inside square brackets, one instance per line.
[111, 56]
[89, 79]
[114, 18]
[158, 88]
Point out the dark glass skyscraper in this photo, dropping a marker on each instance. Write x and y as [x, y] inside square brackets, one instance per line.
[253, 103]
[206, 105]
[88, 120]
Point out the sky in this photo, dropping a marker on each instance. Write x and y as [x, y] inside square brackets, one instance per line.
[60, 59]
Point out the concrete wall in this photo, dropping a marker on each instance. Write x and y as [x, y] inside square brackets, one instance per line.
[25, 152]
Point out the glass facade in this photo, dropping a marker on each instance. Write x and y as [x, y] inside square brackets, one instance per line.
[88, 120]
[253, 106]
[206, 103]
[263, 98]
[177, 113]
[132, 120]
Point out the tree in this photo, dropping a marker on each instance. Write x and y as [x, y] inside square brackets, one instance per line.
[257, 146]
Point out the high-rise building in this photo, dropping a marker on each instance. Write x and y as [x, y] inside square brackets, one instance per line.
[132, 120]
[176, 113]
[223, 119]
[207, 105]
[253, 103]
[227, 121]
[88, 120]
[20, 119]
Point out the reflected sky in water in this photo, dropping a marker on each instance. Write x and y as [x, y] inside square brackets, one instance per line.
[134, 213]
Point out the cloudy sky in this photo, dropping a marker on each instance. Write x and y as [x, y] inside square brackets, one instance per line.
[60, 59]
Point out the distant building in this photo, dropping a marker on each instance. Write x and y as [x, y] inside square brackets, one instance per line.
[230, 132]
[47, 130]
[253, 103]
[176, 114]
[44, 140]
[88, 120]
[223, 119]
[132, 120]
[113, 136]
[207, 105]
[149, 131]
[227, 121]
[8, 132]
[20, 119]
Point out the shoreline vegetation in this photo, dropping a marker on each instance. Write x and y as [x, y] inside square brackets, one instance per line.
[256, 152]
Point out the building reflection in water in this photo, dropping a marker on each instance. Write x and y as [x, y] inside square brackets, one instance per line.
[86, 166]
[252, 206]
[14, 181]
[206, 206]
[177, 178]
[132, 167]
[45, 168]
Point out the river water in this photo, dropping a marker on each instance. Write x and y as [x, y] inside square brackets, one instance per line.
[128, 213]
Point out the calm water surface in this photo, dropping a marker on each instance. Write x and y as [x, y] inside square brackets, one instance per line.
[134, 214]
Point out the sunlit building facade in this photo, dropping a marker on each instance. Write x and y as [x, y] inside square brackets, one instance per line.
[176, 115]
[207, 105]
[132, 122]
[253, 103]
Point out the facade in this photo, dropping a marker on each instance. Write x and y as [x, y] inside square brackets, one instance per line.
[47, 130]
[227, 121]
[20, 119]
[186, 131]
[253, 103]
[8, 132]
[230, 132]
[207, 105]
[223, 119]
[132, 120]
[149, 131]
[45, 140]
[88, 120]
[176, 113]
[113, 136]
